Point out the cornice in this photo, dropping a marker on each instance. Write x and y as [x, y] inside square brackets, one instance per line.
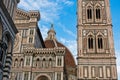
[97, 56]
[55, 51]
[34, 14]
[23, 13]
[28, 14]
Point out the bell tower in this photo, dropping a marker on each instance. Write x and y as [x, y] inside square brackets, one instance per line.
[96, 56]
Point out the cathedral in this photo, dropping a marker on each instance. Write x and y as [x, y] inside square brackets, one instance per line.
[35, 59]
[38, 59]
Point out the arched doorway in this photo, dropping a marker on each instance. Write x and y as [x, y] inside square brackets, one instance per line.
[42, 78]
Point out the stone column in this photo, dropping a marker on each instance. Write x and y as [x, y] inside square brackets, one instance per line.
[30, 61]
[61, 75]
[55, 75]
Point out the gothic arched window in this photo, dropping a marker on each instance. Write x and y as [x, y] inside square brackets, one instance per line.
[21, 63]
[98, 13]
[59, 62]
[16, 63]
[50, 62]
[90, 42]
[89, 12]
[44, 63]
[100, 42]
[37, 62]
[27, 61]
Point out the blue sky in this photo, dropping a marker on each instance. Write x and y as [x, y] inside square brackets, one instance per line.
[62, 13]
[115, 12]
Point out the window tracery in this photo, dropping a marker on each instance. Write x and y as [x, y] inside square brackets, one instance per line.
[89, 12]
[98, 13]
[90, 42]
[100, 42]
[21, 63]
[50, 62]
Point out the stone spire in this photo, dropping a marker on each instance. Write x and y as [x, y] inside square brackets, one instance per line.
[51, 33]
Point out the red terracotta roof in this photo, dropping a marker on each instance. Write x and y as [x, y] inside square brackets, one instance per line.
[69, 60]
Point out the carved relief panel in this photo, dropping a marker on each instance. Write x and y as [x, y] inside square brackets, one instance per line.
[17, 44]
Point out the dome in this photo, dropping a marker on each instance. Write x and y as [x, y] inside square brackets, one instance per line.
[51, 42]
[69, 60]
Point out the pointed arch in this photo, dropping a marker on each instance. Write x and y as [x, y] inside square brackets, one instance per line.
[50, 62]
[44, 62]
[100, 33]
[89, 11]
[16, 63]
[90, 40]
[21, 62]
[100, 42]
[90, 33]
[98, 11]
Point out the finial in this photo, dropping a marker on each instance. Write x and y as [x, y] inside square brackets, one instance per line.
[52, 26]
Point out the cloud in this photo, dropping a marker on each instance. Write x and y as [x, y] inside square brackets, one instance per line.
[71, 45]
[50, 10]
[66, 2]
[67, 30]
[117, 52]
[69, 3]
[118, 69]
[44, 29]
